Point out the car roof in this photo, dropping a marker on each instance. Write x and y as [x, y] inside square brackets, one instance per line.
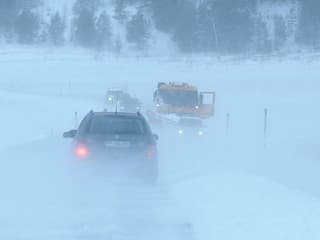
[118, 114]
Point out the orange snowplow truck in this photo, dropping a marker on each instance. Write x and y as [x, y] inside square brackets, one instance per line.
[183, 100]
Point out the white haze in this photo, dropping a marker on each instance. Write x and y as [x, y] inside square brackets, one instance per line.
[229, 184]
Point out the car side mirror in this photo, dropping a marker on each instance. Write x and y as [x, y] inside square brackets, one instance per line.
[70, 134]
[155, 137]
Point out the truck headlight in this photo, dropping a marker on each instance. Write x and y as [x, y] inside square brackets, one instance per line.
[200, 133]
[180, 132]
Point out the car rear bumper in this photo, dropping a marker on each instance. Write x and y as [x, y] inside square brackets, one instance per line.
[121, 164]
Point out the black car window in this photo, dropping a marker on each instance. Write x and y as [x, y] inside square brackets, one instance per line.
[116, 125]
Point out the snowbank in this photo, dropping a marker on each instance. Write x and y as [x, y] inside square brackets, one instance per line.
[237, 206]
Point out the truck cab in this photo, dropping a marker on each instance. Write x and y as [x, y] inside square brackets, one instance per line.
[183, 99]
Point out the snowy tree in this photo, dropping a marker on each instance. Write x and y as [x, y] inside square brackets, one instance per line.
[56, 29]
[205, 38]
[261, 39]
[206, 25]
[85, 29]
[86, 5]
[103, 31]
[28, 4]
[120, 13]
[234, 23]
[8, 11]
[27, 27]
[184, 33]
[280, 33]
[118, 45]
[11, 12]
[165, 13]
[309, 25]
[138, 31]
[84, 23]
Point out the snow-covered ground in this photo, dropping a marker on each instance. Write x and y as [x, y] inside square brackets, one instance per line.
[226, 185]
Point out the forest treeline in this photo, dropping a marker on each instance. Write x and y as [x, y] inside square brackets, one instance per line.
[224, 26]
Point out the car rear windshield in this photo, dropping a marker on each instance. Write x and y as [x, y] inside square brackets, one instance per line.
[116, 125]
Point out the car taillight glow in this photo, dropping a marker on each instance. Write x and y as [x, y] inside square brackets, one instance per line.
[152, 151]
[82, 151]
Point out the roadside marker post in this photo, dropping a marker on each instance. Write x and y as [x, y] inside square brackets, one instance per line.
[227, 124]
[265, 130]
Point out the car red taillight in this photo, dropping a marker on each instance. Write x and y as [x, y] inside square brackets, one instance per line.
[151, 151]
[82, 151]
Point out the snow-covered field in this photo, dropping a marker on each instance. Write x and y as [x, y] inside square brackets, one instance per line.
[226, 185]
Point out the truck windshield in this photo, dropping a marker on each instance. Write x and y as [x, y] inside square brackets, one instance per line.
[179, 98]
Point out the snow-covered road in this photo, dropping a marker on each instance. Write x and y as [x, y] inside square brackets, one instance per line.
[46, 197]
[216, 187]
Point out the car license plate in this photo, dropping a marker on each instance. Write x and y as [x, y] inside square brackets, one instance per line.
[117, 144]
